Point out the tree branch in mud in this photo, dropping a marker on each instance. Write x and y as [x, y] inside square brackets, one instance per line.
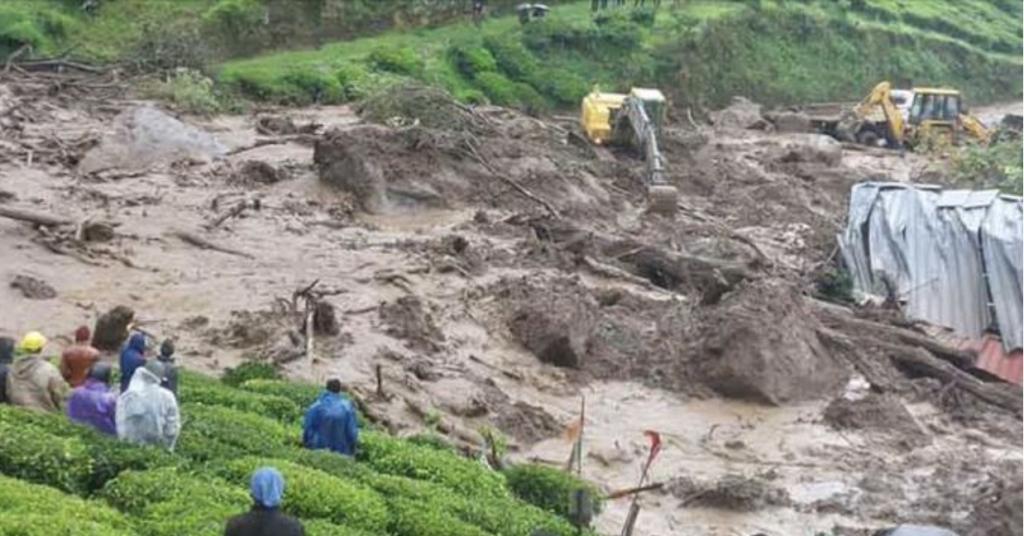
[202, 243]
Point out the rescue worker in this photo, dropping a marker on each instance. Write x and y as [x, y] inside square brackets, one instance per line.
[164, 367]
[146, 413]
[265, 518]
[331, 422]
[78, 359]
[132, 358]
[93, 404]
[32, 381]
[6, 358]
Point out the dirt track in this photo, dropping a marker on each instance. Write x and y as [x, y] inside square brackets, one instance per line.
[426, 286]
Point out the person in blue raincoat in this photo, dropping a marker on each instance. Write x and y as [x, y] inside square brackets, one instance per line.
[132, 357]
[331, 422]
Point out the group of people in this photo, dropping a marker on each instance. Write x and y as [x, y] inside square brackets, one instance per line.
[144, 410]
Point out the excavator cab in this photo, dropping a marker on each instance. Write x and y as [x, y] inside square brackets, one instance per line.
[634, 120]
[935, 113]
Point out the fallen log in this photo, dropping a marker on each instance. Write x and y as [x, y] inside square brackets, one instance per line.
[832, 317]
[36, 218]
[231, 213]
[920, 361]
[203, 243]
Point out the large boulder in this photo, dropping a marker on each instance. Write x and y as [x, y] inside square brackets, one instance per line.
[760, 343]
[742, 113]
[556, 327]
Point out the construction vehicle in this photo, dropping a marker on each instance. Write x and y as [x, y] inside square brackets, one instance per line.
[880, 119]
[634, 120]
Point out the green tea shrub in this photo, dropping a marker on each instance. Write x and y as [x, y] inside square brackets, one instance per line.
[218, 433]
[108, 455]
[267, 405]
[547, 488]
[393, 456]
[35, 510]
[171, 502]
[320, 527]
[470, 59]
[311, 493]
[302, 394]
[398, 60]
[410, 518]
[250, 370]
[31, 454]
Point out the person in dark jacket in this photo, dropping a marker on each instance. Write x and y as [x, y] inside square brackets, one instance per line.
[132, 357]
[164, 367]
[331, 422]
[265, 518]
[7, 345]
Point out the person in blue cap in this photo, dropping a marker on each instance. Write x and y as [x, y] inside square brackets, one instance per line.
[265, 518]
[331, 422]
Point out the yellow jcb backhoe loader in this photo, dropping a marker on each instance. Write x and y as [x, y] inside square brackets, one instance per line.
[633, 120]
[934, 113]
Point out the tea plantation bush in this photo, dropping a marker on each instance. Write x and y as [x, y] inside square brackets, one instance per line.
[34, 510]
[395, 487]
[315, 494]
[250, 370]
[547, 488]
[218, 433]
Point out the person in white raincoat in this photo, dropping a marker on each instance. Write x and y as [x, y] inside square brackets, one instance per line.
[147, 414]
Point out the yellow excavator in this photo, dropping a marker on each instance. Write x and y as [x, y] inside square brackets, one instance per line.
[933, 113]
[634, 120]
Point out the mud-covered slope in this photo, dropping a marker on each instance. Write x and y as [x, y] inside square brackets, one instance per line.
[508, 271]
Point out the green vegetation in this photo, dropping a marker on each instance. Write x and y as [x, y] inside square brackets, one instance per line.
[548, 488]
[701, 53]
[999, 165]
[59, 478]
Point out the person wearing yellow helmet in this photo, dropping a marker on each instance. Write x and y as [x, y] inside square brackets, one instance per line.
[33, 382]
[32, 343]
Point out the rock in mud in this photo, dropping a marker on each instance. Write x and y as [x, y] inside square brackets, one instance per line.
[876, 413]
[112, 328]
[33, 288]
[408, 319]
[731, 492]
[790, 122]
[260, 172]
[346, 162]
[554, 328]
[528, 423]
[814, 149]
[145, 136]
[761, 344]
[742, 114]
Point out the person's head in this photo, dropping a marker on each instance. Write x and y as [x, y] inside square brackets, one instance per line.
[267, 487]
[334, 385]
[157, 369]
[6, 349]
[101, 373]
[82, 335]
[167, 349]
[33, 343]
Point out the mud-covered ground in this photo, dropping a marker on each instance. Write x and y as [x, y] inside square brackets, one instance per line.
[497, 271]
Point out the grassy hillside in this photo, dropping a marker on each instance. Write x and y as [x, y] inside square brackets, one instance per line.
[702, 52]
[57, 478]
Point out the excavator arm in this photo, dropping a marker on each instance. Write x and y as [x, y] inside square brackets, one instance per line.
[880, 98]
[633, 121]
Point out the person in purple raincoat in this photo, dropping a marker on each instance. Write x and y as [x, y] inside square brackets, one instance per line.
[93, 404]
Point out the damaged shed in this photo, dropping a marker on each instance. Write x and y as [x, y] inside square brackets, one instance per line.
[952, 258]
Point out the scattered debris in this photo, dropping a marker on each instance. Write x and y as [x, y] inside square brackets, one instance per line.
[33, 288]
[409, 319]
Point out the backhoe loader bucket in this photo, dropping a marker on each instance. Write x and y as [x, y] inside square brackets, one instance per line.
[663, 199]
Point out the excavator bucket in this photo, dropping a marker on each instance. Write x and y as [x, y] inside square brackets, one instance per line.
[663, 199]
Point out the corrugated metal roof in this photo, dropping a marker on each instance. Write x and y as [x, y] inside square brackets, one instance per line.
[947, 254]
